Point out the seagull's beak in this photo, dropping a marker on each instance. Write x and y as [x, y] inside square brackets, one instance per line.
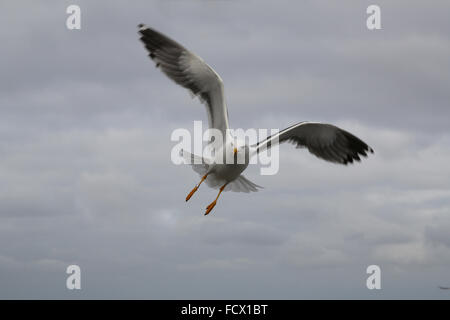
[235, 150]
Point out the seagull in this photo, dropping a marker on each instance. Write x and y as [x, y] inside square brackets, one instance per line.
[325, 141]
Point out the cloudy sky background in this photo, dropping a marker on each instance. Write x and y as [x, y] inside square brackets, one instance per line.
[86, 176]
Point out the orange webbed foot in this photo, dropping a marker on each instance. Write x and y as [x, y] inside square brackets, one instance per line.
[210, 207]
[191, 193]
[196, 187]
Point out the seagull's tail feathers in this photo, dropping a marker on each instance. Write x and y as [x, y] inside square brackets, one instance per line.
[242, 184]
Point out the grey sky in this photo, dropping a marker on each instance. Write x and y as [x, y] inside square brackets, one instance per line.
[86, 176]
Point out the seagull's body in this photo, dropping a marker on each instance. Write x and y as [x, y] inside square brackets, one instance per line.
[231, 171]
[326, 141]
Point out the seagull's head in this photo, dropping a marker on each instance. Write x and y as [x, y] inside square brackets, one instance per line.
[240, 151]
[238, 147]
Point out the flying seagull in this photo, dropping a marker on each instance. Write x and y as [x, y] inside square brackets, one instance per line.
[325, 141]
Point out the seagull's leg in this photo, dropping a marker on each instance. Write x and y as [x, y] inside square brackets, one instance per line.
[196, 187]
[212, 204]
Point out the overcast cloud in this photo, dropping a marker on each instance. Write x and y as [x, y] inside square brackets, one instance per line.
[86, 176]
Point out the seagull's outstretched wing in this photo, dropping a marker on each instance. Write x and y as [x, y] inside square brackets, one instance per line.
[189, 71]
[325, 141]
